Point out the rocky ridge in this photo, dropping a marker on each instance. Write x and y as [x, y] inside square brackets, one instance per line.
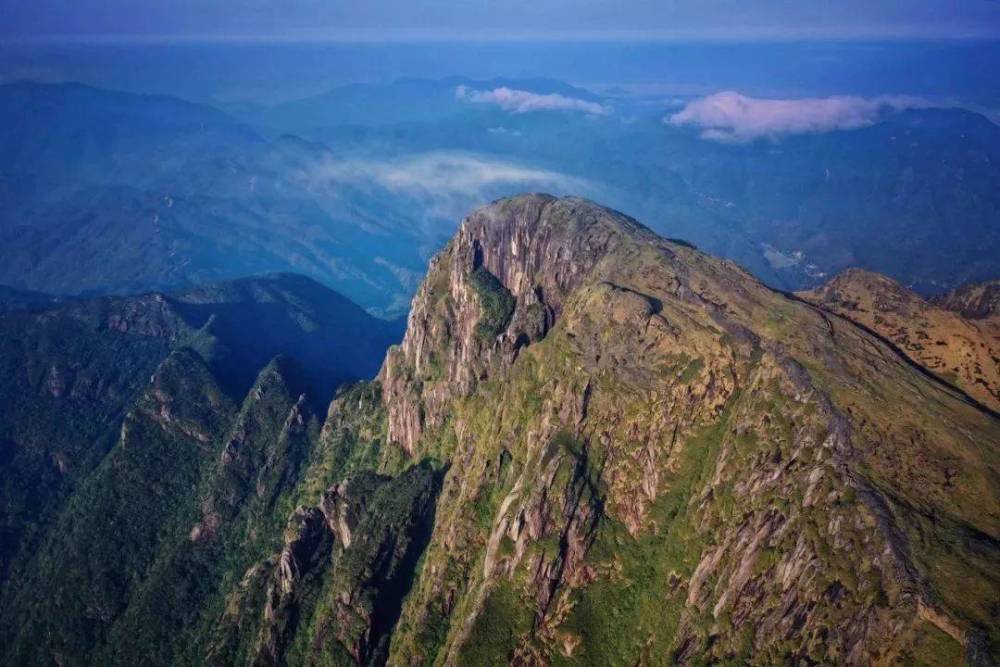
[661, 459]
[149, 448]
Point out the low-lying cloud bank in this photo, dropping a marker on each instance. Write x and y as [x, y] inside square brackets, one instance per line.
[524, 101]
[446, 172]
[730, 116]
[442, 185]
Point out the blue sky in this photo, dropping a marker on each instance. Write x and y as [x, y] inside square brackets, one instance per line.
[499, 19]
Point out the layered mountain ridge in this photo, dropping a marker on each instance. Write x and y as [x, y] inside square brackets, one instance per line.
[104, 192]
[593, 446]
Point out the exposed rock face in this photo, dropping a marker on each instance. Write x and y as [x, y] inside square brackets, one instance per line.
[538, 261]
[133, 490]
[307, 549]
[351, 586]
[150, 315]
[659, 459]
[961, 347]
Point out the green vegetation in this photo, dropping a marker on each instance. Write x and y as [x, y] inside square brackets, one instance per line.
[111, 532]
[641, 591]
[495, 634]
[691, 371]
[495, 301]
[149, 494]
[359, 600]
[934, 647]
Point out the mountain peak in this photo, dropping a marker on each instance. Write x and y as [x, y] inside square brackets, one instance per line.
[537, 241]
[607, 364]
[506, 277]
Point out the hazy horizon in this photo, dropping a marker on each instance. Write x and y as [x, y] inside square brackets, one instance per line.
[963, 72]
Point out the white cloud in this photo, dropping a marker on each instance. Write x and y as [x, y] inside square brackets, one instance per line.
[730, 116]
[447, 172]
[504, 131]
[523, 101]
[442, 185]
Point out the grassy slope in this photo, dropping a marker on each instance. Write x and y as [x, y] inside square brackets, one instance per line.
[962, 351]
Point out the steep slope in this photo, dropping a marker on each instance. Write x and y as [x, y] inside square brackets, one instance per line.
[81, 577]
[939, 335]
[334, 591]
[655, 458]
[258, 318]
[69, 374]
[176, 550]
[647, 457]
[134, 560]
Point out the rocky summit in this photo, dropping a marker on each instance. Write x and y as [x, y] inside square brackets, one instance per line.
[594, 446]
[654, 458]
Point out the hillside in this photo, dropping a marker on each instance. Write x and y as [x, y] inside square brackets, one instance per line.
[594, 446]
[955, 337]
[69, 373]
[686, 465]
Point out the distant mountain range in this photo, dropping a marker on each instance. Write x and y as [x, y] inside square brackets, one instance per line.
[112, 193]
[913, 195]
[104, 192]
[975, 301]
[399, 103]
